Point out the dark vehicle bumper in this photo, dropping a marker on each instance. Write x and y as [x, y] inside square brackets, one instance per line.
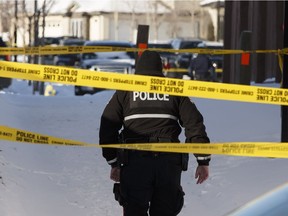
[82, 90]
[5, 82]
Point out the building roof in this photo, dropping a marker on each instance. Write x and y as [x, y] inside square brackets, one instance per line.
[212, 3]
[128, 6]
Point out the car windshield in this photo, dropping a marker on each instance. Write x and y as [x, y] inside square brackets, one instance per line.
[73, 43]
[112, 55]
[108, 55]
[165, 46]
[189, 44]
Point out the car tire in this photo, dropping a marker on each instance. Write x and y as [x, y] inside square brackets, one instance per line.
[78, 91]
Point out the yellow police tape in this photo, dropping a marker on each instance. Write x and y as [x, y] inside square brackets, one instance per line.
[250, 149]
[180, 70]
[128, 82]
[185, 70]
[55, 50]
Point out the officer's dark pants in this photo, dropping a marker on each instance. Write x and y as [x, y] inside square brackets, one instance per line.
[203, 76]
[151, 183]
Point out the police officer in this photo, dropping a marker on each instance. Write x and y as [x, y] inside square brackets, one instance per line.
[151, 181]
[201, 68]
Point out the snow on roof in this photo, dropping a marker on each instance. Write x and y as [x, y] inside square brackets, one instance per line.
[210, 2]
[137, 6]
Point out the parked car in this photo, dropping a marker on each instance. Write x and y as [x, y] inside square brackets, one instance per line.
[183, 59]
[168, 58]
[119, 62]
[68, 59]
[217, 60]
[51, 41]
[4, 82]
[48, 41]
[272, 203]
[55, 41]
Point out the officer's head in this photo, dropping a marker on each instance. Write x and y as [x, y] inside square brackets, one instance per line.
[150, 64]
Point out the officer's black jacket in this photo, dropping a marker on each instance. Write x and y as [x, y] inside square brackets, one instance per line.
[201, 64]
[142, 115]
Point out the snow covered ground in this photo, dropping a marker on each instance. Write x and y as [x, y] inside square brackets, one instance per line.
[42, 180]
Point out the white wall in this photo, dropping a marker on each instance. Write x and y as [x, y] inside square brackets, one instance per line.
[127, 28]
[99, 27]
[55, 26]
[103, 27]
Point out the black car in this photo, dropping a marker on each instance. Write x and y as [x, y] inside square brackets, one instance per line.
[68, 59]
[183, 59]
[4, 82]
[118, 61]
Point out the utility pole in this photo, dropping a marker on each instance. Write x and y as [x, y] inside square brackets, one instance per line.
[36, 41]
[284, 109]
[142, 39]
[15, 27]
[218, 20]
[36, 28]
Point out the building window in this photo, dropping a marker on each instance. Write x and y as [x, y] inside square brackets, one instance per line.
[76, 28]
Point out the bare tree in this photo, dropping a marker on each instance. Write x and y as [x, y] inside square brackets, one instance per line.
[34, 17]
[46, 6]
[7, 14]
[45, 9]
[133, 25]
[27, 14]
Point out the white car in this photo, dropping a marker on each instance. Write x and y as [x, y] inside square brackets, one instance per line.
[119, 62]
